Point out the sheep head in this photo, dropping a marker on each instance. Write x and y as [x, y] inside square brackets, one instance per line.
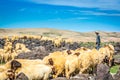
[15, 65]
[69, 52]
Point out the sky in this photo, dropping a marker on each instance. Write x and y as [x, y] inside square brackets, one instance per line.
[74, 15]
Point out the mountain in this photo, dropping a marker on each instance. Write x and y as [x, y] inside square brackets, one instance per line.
[75, 36]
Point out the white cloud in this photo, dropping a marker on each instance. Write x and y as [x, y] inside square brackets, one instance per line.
[81, 18]
[101, 4]
[92, 12]
[99, 13]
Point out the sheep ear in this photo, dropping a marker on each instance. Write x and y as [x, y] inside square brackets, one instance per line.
[15, 64]
[50, 61]
[84, 48]
[69, 52]
[77, 54]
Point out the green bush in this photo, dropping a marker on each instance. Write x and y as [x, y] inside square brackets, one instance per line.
[114, 69]
[92, 45]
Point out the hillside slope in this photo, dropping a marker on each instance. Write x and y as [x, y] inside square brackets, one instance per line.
[75, 36]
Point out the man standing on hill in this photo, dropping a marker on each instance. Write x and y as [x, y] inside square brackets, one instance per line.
[97, 40]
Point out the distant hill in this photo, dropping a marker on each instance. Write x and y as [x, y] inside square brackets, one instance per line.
[75, 36]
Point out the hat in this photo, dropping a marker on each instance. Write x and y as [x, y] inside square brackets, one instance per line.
[96, 32]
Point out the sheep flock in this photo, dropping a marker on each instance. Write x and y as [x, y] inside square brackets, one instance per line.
[64, 58]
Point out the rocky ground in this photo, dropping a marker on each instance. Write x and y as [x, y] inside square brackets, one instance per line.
[40, 49]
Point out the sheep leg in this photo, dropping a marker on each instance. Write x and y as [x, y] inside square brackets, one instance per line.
[94, 70]
[67, 75]
[70, 72]
[5, 59]
[82, 70]
[110, 61]
[66, 71]
[1, 61]
[46, 76]
[58, 72]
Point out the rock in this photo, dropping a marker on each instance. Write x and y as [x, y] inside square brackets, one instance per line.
[117, 75]
[39, 49]
[77, 77]
[117, 48]
[80, 77]
[36, 53]
[59, 78]
[117, 60]
[21, 76]
[2, 42]
[103, 72]
[83, 77]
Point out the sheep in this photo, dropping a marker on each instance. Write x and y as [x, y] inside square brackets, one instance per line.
[68, 52]
[1, 55]
[7, 47]
[35, 70]
[15, 37]
[8, 65]
[21, 48]
[88, 60]
[107, 51]
[56, 53]
[82, 50]
[69, 41]
[53, 59]
[71, 64]
[58, 64]
[6, 57]
[6, 38]
[57, 42]
[13, 54]
[95, 59]
[44, 38]
[35, 37]
[64, 53]
[3, 76]
[7, 74]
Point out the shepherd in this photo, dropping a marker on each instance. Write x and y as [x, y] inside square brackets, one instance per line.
[98, 41]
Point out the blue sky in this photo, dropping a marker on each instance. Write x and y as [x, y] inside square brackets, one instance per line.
[75, 15]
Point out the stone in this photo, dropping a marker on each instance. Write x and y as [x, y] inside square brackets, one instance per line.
[103, 72]
[21, 76]
[117, 61]
[117, 75]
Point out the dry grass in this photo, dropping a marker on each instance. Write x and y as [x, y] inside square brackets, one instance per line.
[75, 36]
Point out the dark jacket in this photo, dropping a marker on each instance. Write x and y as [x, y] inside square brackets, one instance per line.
[98, 40]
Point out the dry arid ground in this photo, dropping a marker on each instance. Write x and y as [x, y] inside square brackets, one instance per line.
[41, 48]
[75, 36]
